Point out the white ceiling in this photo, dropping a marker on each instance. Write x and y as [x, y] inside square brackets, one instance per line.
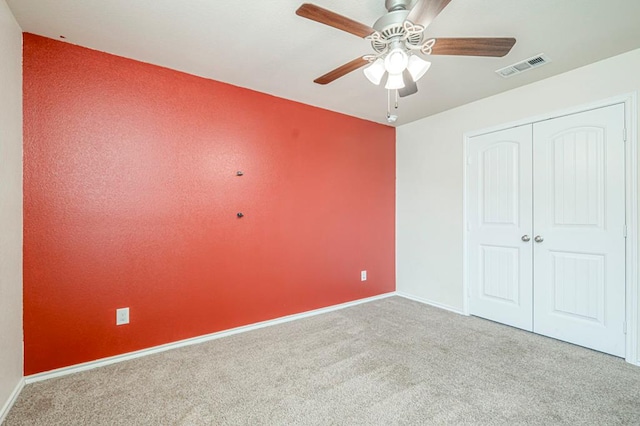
[264, 46]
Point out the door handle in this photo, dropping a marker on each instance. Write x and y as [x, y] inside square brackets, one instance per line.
[526, 238]
[538, 239]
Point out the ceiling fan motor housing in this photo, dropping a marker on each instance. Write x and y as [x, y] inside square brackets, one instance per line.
[391, 27]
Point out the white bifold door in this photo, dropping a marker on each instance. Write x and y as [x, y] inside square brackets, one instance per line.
[546, 228]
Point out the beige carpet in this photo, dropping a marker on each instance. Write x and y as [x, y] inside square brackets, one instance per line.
[387, 362]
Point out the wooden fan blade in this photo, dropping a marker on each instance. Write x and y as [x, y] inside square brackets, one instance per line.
[327, 17]
[496, 47]
[341, 71]
[410, 86]
[425, 11]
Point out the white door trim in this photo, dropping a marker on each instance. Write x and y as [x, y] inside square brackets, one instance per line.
[631, 209]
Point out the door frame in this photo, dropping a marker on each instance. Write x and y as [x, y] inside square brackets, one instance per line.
[632, 303]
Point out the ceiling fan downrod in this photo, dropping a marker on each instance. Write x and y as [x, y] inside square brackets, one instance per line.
[393, 5]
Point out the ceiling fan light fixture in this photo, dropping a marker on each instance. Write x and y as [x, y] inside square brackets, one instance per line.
[417, 67]
[394, 82]
[396, 61]
[375, 71]
[396, 38]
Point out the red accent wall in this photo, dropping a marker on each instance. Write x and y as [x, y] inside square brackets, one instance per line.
[131, 195]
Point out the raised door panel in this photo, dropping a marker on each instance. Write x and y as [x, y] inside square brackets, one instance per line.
[498, 183]
[578, 177]
[578, 282]
[499, 274]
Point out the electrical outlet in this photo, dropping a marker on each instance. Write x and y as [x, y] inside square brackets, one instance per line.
[122, 316]
[363, 275]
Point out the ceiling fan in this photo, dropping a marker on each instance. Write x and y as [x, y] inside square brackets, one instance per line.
[399, 45]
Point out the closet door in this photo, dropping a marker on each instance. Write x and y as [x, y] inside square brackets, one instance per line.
[579, 219]
[499, 226]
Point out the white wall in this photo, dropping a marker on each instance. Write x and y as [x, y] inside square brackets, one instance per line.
[10, 205]
[430, 170]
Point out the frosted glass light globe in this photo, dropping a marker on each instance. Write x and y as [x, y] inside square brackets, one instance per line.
[375, 71]
[396, 61]
[394, 82]
[417, 67]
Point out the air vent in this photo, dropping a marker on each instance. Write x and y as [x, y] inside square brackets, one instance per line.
[526, 65]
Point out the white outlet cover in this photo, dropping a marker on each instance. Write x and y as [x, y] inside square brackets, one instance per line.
[122, 316]
[363, 275]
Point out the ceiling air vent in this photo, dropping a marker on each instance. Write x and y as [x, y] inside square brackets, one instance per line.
[526, 65]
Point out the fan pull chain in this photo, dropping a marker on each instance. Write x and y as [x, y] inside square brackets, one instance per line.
[391, 118]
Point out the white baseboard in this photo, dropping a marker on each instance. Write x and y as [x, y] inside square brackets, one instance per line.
[430, 302]
[12, 399]
[192, 341]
